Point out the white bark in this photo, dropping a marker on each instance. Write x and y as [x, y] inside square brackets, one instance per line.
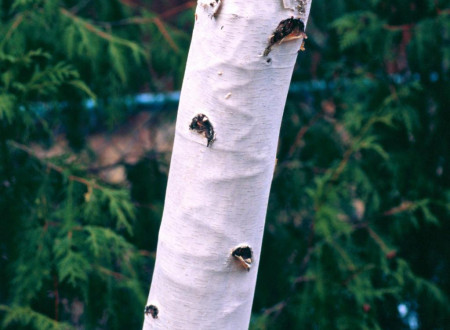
[217, 196]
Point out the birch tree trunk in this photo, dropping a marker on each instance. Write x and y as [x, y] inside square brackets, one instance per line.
[217, 196]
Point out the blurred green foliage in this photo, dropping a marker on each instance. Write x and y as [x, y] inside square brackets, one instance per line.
[358, 220]
[73, 248]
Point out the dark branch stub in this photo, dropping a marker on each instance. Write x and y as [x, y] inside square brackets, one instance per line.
[151, 310]
[212, 6]
[202, 125]
[288, 29]
[244, 255]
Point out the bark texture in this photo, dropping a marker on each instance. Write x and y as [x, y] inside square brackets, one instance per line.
[217, 196]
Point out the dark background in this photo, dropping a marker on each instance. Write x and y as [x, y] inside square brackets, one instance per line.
[358, 231]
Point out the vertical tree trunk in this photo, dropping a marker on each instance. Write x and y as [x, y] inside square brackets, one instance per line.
[217, 196]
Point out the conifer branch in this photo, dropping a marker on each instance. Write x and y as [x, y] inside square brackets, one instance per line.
[159, 24]
[54, 167]
[144, 20]
[301, 133]
[337, 173]
[102, 34]
[383, 246]
[178, 9]
[17, 21]
[278, 307]
[349, 152]
[116, 275]
[357, 272]
[275, 309]
[403, 207]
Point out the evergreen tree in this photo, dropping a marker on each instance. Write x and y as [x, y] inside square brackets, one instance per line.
[69, 254]
[359, 210]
